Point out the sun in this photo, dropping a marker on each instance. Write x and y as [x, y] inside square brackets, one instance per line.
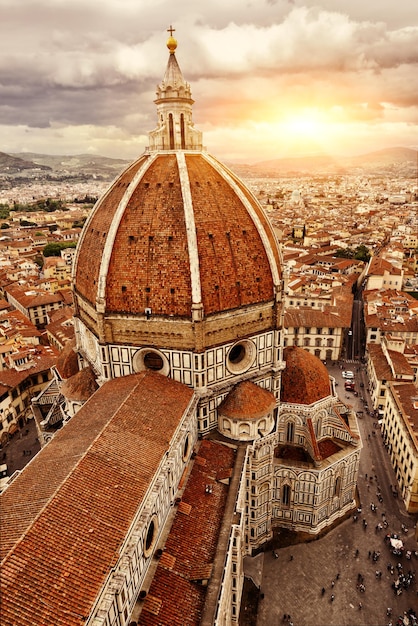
[309, 123]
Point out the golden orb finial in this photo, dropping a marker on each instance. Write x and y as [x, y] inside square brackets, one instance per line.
[171, 42]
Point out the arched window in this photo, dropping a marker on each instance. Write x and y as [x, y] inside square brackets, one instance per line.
[286, 495]
[290, 432]
[337, 487]
[171, 130]
[183, 141]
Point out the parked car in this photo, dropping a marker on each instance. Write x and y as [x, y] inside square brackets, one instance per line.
[347, 374]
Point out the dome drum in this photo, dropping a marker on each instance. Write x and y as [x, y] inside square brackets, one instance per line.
[172, 332]
[240, 430]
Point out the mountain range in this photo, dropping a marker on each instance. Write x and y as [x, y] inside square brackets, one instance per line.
[30, 165]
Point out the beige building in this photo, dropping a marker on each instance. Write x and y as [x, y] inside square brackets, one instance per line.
[382, 274]
[28, 373]
[35, 304]
[386, 362]
[400, 432]
[320, 332]
[390, 312]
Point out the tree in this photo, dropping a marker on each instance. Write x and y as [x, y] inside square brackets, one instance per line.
[54, 248]
[4, 211]
[362, 253]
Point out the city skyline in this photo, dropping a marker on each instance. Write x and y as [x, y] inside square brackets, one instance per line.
[274, 79]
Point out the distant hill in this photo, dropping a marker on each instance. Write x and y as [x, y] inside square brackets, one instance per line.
[12, 164]
[85, 164]
[326, 164]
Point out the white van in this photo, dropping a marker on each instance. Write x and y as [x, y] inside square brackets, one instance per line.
[347, 374]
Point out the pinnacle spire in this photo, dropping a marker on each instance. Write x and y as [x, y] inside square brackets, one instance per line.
[175, 130]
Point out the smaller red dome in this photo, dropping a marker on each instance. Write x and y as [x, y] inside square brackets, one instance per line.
[247, 401]
[305, 379]
[81, 386]
[67, 363]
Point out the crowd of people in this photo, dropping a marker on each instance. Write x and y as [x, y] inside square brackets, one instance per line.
[400, 564]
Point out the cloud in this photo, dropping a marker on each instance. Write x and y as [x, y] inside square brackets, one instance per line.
[93, 66]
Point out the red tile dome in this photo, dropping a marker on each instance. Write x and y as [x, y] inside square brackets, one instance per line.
[247, 401]
[305, 379]
[177, 239]
[173, 233]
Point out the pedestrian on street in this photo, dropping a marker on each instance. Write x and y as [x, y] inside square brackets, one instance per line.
[332, 598]
[323, 591]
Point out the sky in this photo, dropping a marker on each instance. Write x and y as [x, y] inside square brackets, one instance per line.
[270, 78]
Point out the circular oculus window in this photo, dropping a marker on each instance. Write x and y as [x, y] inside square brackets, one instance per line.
[241, 356]
[149, 359]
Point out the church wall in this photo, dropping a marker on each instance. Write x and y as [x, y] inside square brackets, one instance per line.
[314, 498]
[176, 332]
[259, 491]
[120, 593]
[199, 370]
[301, 496]
[230, 592]
[211, 373]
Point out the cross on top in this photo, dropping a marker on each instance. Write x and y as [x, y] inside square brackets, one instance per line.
[171, 30]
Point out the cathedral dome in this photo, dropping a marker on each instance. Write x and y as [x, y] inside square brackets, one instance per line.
[177, 239]
[305, 379]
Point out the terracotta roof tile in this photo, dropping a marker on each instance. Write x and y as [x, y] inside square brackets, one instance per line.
[151, 248]
[184, 508]
[81, 386]
[66, 529]
[192, 542]
[152, 604]
[168, 560]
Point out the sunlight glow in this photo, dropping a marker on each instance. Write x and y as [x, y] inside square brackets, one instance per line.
[310, 123]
